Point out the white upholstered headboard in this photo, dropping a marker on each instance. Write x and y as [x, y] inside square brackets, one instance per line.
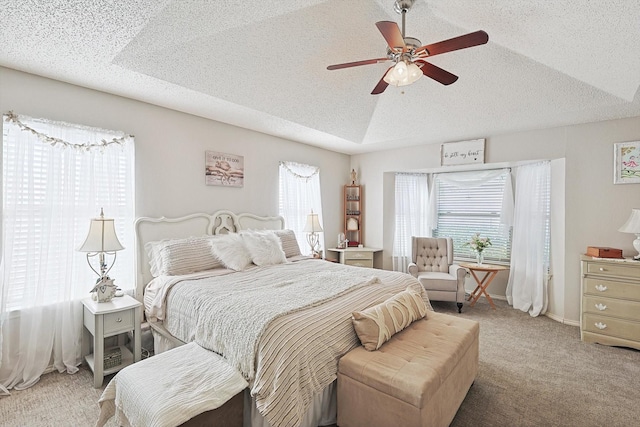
[197, 224]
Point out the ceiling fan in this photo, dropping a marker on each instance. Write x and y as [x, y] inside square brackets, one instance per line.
[410, 56]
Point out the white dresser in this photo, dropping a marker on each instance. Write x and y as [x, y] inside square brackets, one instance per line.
[610, 311]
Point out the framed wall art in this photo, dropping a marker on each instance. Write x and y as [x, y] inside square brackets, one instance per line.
[224, 169]
[626, 162]
[462, 153]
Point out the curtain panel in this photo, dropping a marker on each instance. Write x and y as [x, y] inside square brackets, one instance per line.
[56, 177]
[528, 276]
[299, 195]
[411, 205]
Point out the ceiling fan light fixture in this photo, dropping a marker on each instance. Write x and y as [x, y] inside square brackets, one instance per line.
[403, 74]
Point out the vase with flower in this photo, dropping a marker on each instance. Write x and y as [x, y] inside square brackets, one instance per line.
[478, 245]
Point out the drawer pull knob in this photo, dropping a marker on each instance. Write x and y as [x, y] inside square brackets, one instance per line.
[601, 325]
[602, 269]
[601, 306]
[601, 288]
[119, 319]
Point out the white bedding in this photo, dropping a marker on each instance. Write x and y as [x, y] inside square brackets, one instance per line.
[295, 316]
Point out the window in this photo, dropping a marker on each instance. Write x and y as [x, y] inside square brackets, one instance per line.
[52, 187]
[475, 202]
[299, 194]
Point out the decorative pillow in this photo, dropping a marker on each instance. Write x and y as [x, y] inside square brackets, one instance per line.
[289, 242]
[186, 256]
[377, 324]
[264, 247]
[232, 251]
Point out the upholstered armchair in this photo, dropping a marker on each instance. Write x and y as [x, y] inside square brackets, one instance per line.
[432, 264]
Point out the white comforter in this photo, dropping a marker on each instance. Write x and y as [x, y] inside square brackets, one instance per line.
[284, 326]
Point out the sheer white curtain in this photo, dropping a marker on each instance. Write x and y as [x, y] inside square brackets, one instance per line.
[527, 285]
[299, 195]
[51, 190]
[411, 204]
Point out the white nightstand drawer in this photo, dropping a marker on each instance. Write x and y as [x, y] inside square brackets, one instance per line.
[118, 322]
[612, 289]
[360, 262]
[358, 255]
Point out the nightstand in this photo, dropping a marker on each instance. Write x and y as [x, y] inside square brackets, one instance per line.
[358, 257]
[108, 319]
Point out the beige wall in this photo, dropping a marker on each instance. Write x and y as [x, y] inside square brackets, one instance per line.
[170, 149]
[587, 208]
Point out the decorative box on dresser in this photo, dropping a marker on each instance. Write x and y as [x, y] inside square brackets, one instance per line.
[610, 313]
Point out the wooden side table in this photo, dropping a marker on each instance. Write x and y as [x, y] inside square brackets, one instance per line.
[106, 319]
[490, 272]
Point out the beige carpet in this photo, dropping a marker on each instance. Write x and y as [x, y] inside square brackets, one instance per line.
[533, 372]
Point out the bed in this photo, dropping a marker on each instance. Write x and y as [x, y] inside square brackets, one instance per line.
[283, 320]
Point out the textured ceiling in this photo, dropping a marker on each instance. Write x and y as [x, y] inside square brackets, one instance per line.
[262, 64]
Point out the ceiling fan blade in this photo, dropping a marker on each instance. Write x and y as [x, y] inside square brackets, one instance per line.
[456, 43]
[382, 85]
[437, 73]
[391, 33]
[357, 63]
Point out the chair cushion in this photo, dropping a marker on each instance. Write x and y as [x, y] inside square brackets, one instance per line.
[436, 281]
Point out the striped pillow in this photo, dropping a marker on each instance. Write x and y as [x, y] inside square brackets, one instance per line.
[186, 256]
[289, 242]
[377, 324]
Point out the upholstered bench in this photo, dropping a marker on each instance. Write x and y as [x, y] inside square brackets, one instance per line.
[186, 386]
[417, 378]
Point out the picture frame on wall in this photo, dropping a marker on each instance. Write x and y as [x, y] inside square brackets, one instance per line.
[462, 152]
[224, 169]
[626, 162]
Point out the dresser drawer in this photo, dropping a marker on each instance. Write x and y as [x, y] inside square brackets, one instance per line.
[115, 323]
[362, 255]
[628, 310]
[360, 262]
[604, 325]
[613, 269]
[611, 289]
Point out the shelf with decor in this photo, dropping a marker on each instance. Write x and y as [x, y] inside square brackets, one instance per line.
[353, 224]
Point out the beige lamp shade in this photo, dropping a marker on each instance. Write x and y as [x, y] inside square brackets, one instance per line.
[633, 223]
[313, 224]
[633, 226]
[102, 237]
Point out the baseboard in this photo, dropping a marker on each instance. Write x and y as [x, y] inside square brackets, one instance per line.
[562, 320]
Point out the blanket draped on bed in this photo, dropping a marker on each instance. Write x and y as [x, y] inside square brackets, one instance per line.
[285, 326]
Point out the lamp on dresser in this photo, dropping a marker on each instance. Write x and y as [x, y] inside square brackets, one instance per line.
[102, 240]
[633, 226]
[313, 227]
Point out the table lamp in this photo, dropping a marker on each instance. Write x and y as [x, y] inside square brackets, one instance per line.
[633, 226]
[101, 241]
[313, 228]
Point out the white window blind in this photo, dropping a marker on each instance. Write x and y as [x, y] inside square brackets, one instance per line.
[463, 211]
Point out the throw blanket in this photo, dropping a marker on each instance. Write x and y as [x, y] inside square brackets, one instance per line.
[144, 395]
[298, 338]
[232, 324]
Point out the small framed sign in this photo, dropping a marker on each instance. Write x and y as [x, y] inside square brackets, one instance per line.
[224, 169]
[462, 153]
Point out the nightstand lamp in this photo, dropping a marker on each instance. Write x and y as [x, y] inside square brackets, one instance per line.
[101, 241]
[633, 226]
[313, 228]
